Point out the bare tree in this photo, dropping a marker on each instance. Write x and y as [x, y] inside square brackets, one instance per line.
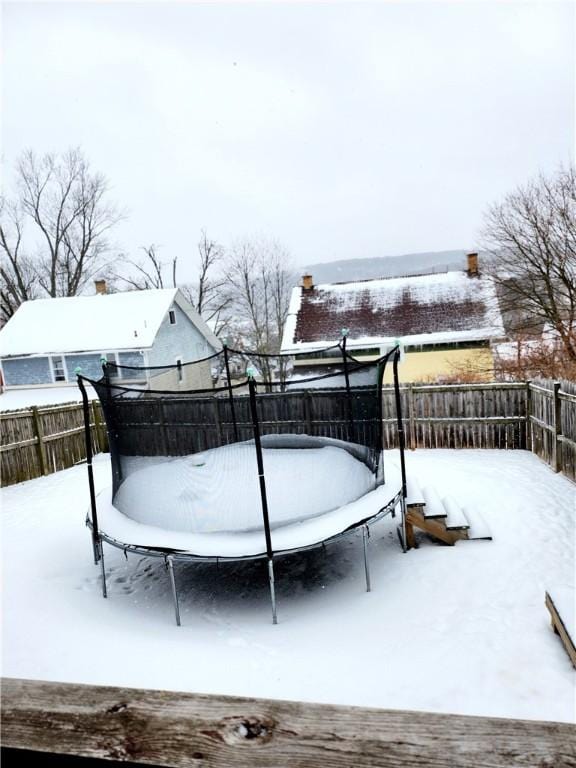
[18, 281]
[61, 211]
[149, 272]
[210, 295]
[531, 235]
[260, 279]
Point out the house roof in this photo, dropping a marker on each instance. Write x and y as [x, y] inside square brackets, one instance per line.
[114, 321]
[423, 309]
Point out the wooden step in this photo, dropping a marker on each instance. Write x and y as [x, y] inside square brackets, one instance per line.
[479, 529]
[434, 526]
[455, 517]
[414, 496]
[434, 508]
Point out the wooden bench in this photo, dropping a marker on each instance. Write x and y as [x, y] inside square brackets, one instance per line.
[560, 603]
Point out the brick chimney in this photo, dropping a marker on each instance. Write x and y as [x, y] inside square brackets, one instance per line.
[472, 264]
[307, 282]
[100, 286]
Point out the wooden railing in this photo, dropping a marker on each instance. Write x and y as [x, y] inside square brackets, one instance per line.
[165, 728]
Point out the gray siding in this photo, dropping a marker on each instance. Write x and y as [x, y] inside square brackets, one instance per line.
[180, 340]
[27, 370]
[89, 362]
[130, 358]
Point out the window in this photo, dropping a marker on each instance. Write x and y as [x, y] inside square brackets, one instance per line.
[179, 371]
[58, 369]
[172, 317]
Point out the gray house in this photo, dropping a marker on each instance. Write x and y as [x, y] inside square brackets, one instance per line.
[47, 339]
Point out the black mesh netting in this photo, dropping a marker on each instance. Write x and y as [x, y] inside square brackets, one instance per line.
[190, 459]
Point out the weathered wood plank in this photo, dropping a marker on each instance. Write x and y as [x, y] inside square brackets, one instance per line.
[184, 729]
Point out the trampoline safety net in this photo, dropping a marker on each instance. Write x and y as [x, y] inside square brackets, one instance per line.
[244, 455]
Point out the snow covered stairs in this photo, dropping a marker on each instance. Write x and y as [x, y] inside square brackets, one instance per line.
[443, 518]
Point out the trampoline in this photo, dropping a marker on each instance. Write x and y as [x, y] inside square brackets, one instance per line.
[247, 469]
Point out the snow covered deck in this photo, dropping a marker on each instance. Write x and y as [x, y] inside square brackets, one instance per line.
[449, 629]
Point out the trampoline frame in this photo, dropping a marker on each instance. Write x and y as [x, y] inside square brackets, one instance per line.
[171, 556]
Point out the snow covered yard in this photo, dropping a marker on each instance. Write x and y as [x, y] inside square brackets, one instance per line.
[449, 629]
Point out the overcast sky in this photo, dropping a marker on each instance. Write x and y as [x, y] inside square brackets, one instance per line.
[341, 129]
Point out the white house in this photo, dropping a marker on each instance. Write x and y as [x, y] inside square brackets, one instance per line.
[48, 339]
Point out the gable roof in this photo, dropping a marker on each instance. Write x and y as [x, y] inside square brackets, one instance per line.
[423, 309]
[111, 321]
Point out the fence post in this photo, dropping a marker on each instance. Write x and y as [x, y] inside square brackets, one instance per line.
[528, 426]
[39, 432]
[557, 447]
[411, 417]
[98, 427]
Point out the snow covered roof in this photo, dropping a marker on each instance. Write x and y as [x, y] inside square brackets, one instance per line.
[112, 321]
[423, 309]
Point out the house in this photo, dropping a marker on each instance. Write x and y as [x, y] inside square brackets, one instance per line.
[446, 323]
[46, 340]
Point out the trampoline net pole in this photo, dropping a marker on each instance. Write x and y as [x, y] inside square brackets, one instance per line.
[88, 441]
[230, 392]
[349, 412]
[263, 496]
[401, 439]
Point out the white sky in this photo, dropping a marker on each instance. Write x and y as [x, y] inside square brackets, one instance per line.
[342, 129]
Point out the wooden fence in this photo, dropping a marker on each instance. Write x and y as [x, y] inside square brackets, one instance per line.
[42, 722]
[552, 429]
[39, 441]
[538, 416]
[458, 415]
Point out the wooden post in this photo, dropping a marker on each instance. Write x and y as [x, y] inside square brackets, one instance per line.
[557, 446]
[217, 419]
[100, 436]
[308, 412]
[39, 433]
[411, 417]
[528, 415]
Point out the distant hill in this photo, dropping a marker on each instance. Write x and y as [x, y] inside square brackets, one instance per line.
[387, 266]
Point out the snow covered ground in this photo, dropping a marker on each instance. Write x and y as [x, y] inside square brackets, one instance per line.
[450, 629]
[12, 399]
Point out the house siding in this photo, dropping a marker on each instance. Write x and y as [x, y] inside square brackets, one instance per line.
[130, 358]
[185, 341]
[90, 364]
[27, 370]
[180, 340]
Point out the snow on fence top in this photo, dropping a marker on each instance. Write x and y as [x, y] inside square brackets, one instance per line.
[420, 309]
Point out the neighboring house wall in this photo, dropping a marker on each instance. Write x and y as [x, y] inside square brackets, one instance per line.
[89, 362]
[130, 358]
[27, 371]
[438, 364]
[180, 341]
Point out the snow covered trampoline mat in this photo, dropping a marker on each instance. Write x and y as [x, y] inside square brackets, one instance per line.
[218, 490]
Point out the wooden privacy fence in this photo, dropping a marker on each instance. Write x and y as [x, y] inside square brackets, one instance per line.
[167, 728]
[39, 441]
[552, 428]
[458, 415]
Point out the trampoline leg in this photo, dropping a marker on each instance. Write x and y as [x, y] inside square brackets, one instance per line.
[272, 590]
[101, 558]
[170, 563]
[95, 549]
[365, 535]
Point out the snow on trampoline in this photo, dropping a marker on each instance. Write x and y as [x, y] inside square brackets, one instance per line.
[218, 490]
